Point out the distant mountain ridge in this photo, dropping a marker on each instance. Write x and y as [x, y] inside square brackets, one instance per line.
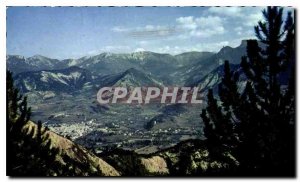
[129, 78]
[233, 55]
[74, 79]
[181, 69]
[18, 64]
[68, 80]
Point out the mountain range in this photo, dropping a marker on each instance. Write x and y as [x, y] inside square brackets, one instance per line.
[62, 94]
[186, 69]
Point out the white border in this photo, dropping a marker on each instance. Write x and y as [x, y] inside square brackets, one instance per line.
[149, 3]
[4, 3]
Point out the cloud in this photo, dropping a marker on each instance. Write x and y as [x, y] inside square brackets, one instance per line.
[252, 19]
[246, 16]
[139, 49]
[201, 27]
[184, 27]
[238, 30]
[93, 52]
[187, 22]
[212, 47]
[227, 11]
[110, 48]
[154, 32]
[119, 29]
[210, 30]
[146, 32]
[143, 43]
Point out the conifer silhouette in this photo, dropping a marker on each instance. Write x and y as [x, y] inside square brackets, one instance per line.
[261, 117]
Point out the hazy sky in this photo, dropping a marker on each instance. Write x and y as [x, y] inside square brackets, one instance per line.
[73, 32]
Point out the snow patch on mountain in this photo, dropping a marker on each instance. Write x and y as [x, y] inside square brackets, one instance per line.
[62, 78]
[73, 62]
[28, 86]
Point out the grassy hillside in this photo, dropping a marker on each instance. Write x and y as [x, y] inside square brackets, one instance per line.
[76, 152]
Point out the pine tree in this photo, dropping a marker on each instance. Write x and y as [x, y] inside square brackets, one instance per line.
[263, 114]
[274, 114]
[218, 127]
[29, 151]
[17, 116]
